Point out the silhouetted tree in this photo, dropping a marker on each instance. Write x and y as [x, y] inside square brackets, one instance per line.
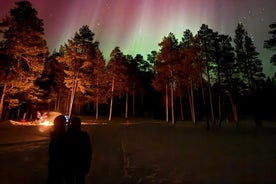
[187, 39]
[271, 43]
[152, 58]
[206, 39]
[249, 66]
[150, 99]
[225, 84]
[135, 67]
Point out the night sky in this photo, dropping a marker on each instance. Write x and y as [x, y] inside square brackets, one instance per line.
[137, 26]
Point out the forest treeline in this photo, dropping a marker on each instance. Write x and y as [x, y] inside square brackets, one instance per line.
[207, 76]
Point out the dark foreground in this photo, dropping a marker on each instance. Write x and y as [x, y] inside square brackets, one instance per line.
[149, 152]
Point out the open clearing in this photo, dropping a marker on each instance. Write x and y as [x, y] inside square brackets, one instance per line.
[146, 151]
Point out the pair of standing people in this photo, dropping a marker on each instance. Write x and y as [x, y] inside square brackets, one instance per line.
[70, 152]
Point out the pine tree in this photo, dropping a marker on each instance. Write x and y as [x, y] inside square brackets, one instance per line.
[206, 39]
[25, 49]
[77, 56]
[100, 81]
[118, 77]
[137, 68]
[189, 73]
[249, 66]
[166, 71]
[225, 85]
[53, 75]
[249, 71]
[271, 43]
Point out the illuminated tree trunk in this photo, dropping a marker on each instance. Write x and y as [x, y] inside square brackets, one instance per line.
[72, 97]
[58, 101]
[234, 110]
[167, 104]
[18, 113]
[97, 100]
[2, 100]
[97, 107]
[66, 103]
[111, 100]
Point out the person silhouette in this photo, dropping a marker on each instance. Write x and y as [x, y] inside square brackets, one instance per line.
[79, 153]
[57, 152]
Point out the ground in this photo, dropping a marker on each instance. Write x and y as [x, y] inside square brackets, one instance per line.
[148, 152]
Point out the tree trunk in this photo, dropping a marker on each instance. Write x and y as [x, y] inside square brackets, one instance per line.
[234, 110]
[58, 101]
[202, 91]
[97, 107]
[72, 97]
[126, 111]
[219, 110]
[142, 99]
[211, 102]
[167, 104]
[192, 104]
[111, 100]
[210, 109]
[66, 103]
[97, 100]
[205, 106]
[2, 100]
[7, 113]
[236, 119]
[133, 103]
[24, 116]
[181, 108]
[172, 105]
[18, 113]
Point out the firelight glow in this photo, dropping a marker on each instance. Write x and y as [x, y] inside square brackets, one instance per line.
[137, 26]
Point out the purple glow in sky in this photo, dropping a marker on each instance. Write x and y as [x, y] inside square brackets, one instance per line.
[137, 26]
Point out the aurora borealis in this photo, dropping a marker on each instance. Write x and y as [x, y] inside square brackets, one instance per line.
[137, 26]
